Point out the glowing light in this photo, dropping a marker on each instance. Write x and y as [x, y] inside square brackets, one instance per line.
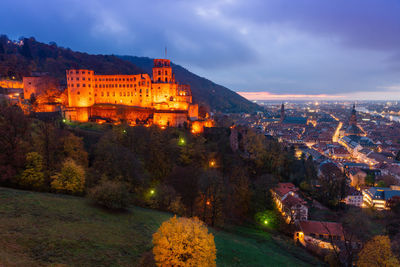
[208, 202]
[212, 163]
[182, 141]
[124, 131]
[265, 221]
[152, 192]
[64, 120]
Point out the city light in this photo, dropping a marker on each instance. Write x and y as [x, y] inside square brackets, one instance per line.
[152, 192]
[64, 120]
[212, 163]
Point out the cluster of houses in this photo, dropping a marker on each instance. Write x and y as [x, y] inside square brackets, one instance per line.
[294, 209]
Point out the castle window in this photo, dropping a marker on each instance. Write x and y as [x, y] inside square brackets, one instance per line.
[159, 72]
[95, 79]
[123, 85]
[123, 79]
[166, 72]
[83, 72]
[134, 79]
[72, 78]
[95, 86]
[159, 79]
[83, 85]
[102, 93]
[83, 78]
[120, 86]
[77, 72]
[77, 78]
[140, 91]
[113, 93]
[79, 93]
[127, 94]
[77, 85]
[89, 85]
[88, 79]
[95, 94]
[108, 94]
[119, 79]
[166, 79]
[124, 93]
[120, 93]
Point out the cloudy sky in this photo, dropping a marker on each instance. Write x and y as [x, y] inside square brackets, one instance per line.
[336, 49]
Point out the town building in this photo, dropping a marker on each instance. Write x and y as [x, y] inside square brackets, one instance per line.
[380, 197]
[320, 234]
[354, 198]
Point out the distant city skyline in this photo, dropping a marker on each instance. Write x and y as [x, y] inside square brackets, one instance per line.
[263, 49]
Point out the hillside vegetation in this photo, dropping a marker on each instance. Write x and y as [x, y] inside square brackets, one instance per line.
[42, 229]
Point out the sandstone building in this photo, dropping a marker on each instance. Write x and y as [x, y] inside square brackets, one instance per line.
[136, 99]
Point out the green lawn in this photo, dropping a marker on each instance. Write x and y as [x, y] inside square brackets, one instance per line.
[40, 229]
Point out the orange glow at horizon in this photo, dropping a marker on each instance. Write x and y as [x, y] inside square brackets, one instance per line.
[271, 96]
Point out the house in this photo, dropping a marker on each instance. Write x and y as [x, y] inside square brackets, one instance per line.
[357, 177]
[317, 233]
[292, 207]
[354, 198]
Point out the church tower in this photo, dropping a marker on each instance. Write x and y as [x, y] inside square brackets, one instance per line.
[353, 117]
[282, 113]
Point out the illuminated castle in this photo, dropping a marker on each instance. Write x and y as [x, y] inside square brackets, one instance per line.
[131, 98]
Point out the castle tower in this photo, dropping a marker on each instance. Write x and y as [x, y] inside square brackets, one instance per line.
[162, 71]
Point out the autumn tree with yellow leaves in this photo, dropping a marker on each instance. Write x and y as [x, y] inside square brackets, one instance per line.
[71, 178]
[376, 253]
[184, 242]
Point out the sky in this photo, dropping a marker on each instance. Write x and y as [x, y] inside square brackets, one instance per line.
[262, 49]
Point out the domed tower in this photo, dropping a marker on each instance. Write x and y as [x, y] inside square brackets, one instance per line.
[162, 71]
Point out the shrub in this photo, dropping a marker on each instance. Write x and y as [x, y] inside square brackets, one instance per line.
[110, 194]
[184, 242]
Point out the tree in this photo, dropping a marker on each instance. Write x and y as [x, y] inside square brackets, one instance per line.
[377, 252]
[184, 242]
[14, 140]
[33, 176]
[73, 148]
[70, 179]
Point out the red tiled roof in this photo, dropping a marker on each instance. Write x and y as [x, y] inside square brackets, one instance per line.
[284, 188]
[317, 227]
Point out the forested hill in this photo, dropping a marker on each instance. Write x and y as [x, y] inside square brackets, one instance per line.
[28, 56]
[205, 91]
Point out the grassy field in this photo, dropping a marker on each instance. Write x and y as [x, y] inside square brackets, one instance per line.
[40, 229]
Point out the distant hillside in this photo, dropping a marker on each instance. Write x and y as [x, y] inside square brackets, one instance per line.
[28, 56]
[204, 91]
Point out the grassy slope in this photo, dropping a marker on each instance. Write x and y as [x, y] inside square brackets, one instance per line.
[40, 229]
